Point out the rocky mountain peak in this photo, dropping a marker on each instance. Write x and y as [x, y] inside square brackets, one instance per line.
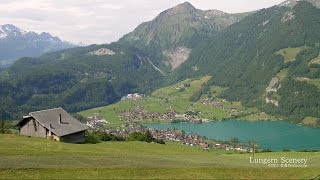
[10, 30]
[9, 27]
[215, 13]
[185, 7]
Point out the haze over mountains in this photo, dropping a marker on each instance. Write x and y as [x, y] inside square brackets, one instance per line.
[16, 43]
[266, 59]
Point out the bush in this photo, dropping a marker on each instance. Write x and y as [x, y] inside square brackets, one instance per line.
[186, 85]
[6, 127]
[309, 150]
[286, 150]
[2, 127]
[182, 89]
[145, 137]
[137, 136]
[92, 138]
[266, 150]
[111, 137]
[159, 141]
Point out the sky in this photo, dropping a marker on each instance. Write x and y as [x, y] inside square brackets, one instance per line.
[102, 21]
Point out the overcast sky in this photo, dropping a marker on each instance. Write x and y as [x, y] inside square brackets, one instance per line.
[102, 21]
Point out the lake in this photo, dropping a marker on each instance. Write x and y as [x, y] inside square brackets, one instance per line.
[275, 135]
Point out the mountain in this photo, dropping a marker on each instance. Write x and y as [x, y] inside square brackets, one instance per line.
[16, 43]
[172, 35]
[267, 60]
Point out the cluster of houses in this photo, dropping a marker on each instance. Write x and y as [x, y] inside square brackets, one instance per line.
[139, 113]
[96, 122]
[134, 96]
[233, 111]
[194, 140]
[180, 136]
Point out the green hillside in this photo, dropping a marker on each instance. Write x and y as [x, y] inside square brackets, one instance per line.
[43, 159]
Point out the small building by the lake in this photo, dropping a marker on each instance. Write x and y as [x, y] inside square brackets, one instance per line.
[55, 124]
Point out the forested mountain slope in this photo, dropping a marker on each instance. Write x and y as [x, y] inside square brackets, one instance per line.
[76, 79]
[247, 59]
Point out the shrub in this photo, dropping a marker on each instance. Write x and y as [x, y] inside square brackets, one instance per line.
[186, 85]
[286, 150]
[137, 136]
[159, 141]
[111, 137]
[266, 150]
[92, 138]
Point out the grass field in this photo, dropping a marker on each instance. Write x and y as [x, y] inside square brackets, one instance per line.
[34, 158]
[290, 54]
[176, 97]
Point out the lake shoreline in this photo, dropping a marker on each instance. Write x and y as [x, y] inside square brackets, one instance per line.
[274, 135]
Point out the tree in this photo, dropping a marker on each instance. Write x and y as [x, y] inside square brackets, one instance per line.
[149, 136]
[234, 142]
[2, 126]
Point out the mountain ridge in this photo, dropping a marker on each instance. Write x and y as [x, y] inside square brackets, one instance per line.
[16, 43]
[182, 26]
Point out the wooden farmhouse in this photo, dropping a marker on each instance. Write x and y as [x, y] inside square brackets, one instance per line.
[55, 124]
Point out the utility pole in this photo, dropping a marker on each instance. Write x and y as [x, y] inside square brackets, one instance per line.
[253, 148]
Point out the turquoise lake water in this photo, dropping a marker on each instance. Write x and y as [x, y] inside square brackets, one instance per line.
[275, 135]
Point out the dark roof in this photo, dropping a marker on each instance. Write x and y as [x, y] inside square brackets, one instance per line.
[50, 119]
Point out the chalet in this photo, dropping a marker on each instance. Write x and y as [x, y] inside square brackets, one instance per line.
[55, 124]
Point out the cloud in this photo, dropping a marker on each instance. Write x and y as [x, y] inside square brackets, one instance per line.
[101, 21]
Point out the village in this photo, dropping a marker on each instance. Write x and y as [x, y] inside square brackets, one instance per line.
[139, 113]
[216, 103]
[131, 125]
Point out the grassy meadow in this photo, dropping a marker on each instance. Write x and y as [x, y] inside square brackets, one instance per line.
[34, 158]
[290, 54]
